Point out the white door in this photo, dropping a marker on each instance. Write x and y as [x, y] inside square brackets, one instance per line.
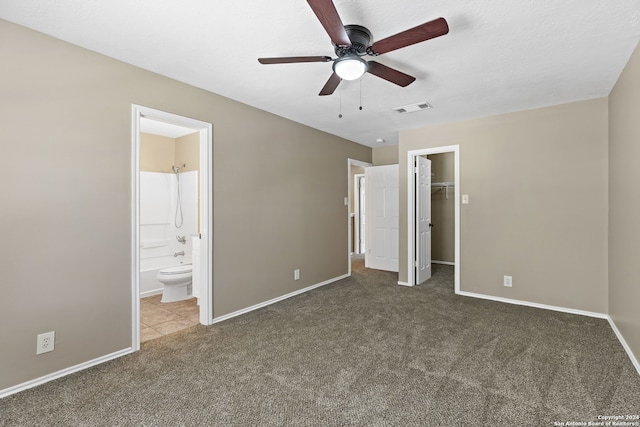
[383, 222]
[423, 219]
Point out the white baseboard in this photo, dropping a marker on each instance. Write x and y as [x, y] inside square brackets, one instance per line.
[50, 377]
[534, 304]
[432, 262]
[70, 370]
[151, 293]
[443, 262]
[275, 300]
[626, 347]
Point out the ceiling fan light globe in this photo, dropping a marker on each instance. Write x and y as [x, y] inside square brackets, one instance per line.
[350, 68]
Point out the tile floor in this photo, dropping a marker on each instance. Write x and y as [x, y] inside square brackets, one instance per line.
[158, 319]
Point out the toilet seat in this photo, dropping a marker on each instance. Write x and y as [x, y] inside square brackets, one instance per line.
[178, 269]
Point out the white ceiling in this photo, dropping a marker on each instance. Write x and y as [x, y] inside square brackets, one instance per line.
[156, 127]
[499, 56]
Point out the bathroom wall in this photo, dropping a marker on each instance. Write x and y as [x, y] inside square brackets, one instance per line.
[158, 193]
[157, 153]
[156, 214]
[158, 200]
[189, 195]
[161, 153]
[187, 152]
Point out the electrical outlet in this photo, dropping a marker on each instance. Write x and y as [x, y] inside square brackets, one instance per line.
[296, 274]
[46, 342]
[508, 281]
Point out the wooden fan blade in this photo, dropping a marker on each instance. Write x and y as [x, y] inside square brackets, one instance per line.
[390, 74]
[293, 59]
[328, 16]
[428, 30]
[331, 85]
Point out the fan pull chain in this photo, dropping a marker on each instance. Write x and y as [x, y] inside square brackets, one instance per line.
[340, 97]
[360, 108]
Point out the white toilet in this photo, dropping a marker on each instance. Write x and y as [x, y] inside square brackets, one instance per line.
[177, 283]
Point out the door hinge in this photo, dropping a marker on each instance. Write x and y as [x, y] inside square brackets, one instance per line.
[415, 263]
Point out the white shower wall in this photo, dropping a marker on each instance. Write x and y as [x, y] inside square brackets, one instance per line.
[158, 198]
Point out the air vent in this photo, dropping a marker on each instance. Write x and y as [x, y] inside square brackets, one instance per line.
[413, 107]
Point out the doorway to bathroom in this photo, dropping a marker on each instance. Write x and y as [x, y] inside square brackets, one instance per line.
[171, 223]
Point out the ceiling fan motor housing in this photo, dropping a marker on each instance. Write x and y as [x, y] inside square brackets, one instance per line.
[360, 38]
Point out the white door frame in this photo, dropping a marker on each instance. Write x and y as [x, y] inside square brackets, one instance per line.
[206, 211]
[411, 203]
[358, 210]
[351, 162]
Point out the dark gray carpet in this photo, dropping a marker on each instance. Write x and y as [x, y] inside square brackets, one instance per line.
[362, 351]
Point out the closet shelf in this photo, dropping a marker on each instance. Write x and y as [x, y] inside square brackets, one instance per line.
[442, 184]
[438, 186]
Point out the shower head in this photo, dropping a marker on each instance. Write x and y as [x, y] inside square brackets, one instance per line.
[175, 169]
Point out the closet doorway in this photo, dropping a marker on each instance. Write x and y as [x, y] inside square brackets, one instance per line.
[445, 189]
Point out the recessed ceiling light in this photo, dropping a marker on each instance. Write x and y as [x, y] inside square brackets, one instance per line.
[381, 140]
[418, 106]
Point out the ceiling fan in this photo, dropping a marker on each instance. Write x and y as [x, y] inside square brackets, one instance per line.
[352, 42]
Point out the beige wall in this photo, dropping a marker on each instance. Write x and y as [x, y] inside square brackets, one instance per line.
[385, 155]
[537, 183]
[161, 153]
[66, 113]
[157, 153]
[188, 152]
[624, 203]
[443, 208]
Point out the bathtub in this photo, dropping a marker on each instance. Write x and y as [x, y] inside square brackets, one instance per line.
[149, 268]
